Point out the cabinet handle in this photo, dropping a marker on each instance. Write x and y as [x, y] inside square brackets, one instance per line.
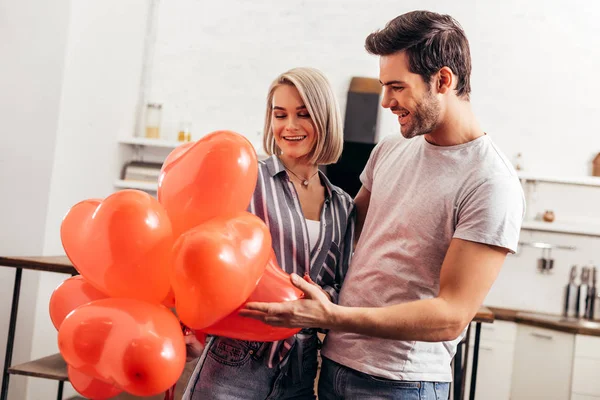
[541, 336]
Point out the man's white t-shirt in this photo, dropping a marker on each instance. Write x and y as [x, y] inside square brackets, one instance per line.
[422, 196]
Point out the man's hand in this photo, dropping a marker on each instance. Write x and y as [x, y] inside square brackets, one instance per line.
[315, 310]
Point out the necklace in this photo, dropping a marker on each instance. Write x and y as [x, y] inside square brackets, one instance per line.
[304, 181]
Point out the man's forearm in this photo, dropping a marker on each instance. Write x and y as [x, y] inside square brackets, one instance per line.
[431, 320]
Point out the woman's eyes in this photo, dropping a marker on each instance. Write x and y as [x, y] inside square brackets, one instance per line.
[300, 115]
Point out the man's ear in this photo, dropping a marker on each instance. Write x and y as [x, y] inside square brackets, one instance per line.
[444, 80]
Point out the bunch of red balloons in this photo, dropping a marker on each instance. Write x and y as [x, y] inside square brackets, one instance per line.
[194, 256]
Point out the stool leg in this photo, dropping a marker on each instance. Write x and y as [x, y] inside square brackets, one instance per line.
[61, 385]
[11, 333]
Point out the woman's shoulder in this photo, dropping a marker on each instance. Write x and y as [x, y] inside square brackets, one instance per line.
[343, 196]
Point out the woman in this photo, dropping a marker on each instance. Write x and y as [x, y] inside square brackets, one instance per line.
[311, 224]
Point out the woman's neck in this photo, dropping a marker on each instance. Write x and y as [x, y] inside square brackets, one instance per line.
[300, 167]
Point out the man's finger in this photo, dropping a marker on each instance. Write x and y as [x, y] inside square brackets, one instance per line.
[260, 306]
[310, 291]
[259, 315]
[308, 279]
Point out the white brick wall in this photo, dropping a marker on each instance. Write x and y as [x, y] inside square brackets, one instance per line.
[213, 62]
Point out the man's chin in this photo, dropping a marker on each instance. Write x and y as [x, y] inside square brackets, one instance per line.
[407, 133]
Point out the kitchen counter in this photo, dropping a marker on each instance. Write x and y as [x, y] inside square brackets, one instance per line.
[485, 314]
[549, 321]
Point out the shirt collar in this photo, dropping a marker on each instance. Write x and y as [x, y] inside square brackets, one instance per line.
[275, 167]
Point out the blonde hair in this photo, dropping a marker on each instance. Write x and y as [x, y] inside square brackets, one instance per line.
[321, 104]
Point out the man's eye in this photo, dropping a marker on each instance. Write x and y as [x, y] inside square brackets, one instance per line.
[397, 88]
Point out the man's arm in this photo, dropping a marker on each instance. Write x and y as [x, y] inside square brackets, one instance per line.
[361, 202]
[468, 272]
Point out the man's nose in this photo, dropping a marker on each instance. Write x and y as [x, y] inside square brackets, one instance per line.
[387, 100]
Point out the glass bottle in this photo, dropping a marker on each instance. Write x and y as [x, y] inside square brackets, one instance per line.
[153, 118]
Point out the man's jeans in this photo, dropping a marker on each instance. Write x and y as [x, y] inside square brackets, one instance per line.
[337, 382]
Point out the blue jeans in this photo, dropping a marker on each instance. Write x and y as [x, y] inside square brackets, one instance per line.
[237, 370]
[337, 382]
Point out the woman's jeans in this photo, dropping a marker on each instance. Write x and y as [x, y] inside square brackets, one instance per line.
[235, 369]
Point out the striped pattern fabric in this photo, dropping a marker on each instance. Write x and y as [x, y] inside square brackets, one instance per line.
[276, 202]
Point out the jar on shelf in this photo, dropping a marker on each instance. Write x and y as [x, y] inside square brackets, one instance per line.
[185, 132]
[153, 119]
[548, 216]
[596, 166]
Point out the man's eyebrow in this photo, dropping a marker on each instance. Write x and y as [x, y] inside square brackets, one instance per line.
[392, 83]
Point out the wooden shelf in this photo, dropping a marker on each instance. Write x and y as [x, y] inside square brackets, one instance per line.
[60, 264]
[51, 367]
[125, 184]
[557, 227]
[138, 141]
[580, 181]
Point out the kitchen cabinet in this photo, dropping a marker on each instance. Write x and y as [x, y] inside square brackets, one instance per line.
[586, 365]
[576, 396]
[543, 364]
[496, 352]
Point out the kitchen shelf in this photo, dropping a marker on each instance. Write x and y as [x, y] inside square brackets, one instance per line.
[557, 227]
[51, 367]
[138, 141]
[125, 184]
[168, 144]
[580, 180]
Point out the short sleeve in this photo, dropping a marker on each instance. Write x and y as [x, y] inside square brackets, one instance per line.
[366, 177]
[493, 213]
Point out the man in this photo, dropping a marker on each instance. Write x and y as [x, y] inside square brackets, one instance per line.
[437, 215]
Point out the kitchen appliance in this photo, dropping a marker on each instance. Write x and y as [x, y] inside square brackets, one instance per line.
[591, 296]
[570, 305]
[582, 293]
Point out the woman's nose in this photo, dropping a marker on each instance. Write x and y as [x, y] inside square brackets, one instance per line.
[292, 124]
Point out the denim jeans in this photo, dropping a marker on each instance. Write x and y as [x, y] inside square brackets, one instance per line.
[237, 370]
[337, 382]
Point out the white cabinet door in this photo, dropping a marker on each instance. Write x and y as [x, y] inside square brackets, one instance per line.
[576, 396]
[586, 366]
[543, 363]
[493, 371]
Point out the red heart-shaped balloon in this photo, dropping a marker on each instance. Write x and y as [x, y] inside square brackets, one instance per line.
[217, 266]
[90, 387]
[128, 343]
[69, 295]
[214, 176]
[121, 245]
[274, 286]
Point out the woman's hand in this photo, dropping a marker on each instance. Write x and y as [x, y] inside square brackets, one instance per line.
[194, 346]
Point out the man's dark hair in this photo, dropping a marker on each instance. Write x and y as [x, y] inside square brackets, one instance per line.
[431, 41]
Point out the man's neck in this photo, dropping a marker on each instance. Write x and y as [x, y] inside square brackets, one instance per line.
[458, 126]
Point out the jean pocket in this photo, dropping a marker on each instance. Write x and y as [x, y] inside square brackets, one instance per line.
[395, 383]
[232, 352]
[442, 390]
